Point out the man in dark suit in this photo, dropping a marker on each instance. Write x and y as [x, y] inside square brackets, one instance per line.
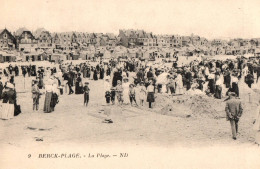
[234, 111]
[70, 84]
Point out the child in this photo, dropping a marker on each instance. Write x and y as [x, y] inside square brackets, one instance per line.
[86, 93]
[113, 95]
[108, 96]
[132, 94]
[107, 89]
[150, 95]
[142, 93]
[125, 85]
[119, 91]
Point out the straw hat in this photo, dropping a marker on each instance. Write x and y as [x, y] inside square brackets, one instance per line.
[131, 85]
[232, 94]
[107, 77]
[125, 78]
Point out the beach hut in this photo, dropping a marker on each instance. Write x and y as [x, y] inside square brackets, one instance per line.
[33, 56]
[7, 57]
[151, 54]
[58, 57]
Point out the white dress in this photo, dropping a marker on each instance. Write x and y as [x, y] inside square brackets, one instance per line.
[6, 110]
[179, 85]
[125, 92]
[142, 92]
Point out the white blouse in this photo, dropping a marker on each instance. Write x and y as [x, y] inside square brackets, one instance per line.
[48, 88]
[150, 88]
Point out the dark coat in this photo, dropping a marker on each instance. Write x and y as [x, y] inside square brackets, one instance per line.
[9, 96]
[233, 109]
[1, 89]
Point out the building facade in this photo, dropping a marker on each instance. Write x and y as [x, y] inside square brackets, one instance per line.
[7, 40]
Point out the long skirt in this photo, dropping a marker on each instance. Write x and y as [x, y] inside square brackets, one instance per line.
[7, 111]
[179, 89]
[218, 92]
[150, 97]
[84, 73]
[95, 76]
[78, 89]
[126, 96]
[47, 103]
[212, 86]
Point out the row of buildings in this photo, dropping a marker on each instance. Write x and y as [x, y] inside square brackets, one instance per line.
[29, 41]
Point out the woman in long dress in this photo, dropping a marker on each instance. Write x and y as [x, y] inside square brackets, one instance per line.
[9, 98]
[48, 95]
[91, 72]
[84, 72]
[256, 126]
[95, 75]
[78, 85]
[142, 93]
[212, 84]
[179, 84]
[218, 90]
[125, 86]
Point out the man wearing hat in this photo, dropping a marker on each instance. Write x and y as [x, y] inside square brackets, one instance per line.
[86, 93]
[234, 111]
[35, 95]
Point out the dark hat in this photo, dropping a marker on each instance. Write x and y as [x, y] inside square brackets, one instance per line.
[86, 82]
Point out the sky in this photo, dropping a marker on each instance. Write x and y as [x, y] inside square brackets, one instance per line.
[207, 18]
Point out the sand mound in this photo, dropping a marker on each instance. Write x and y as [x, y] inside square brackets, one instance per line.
[187, 105]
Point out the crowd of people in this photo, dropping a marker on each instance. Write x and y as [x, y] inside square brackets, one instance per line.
[131, 82]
